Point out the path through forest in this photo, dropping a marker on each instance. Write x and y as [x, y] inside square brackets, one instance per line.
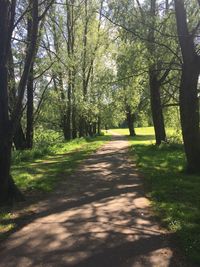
[107, 222]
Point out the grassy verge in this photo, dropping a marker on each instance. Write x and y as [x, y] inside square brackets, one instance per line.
[175, 194]
[43, 173]
[35, 172]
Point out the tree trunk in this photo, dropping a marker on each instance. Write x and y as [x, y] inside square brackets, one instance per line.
[19, 138]
[5, 161]
[95, 128]
[64, 126]
[8, 190]
[87, 128]
[130, 121]
[154, 84]
[82, 127]
[68, 112]
[167, 6]
[99, 126]
[74, 126]
[29, 128]
[68, 134]
[189, 110]
[189, 105]
[156, 109]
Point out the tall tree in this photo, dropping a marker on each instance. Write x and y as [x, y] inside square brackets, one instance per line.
[189, 102]
[8, 125]
[154, 83]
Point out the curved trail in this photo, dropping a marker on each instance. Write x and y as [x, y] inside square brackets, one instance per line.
[107, 222]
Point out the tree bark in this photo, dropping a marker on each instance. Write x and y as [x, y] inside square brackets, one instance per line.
[29, 114]
[99, 125]
[130, 121]
[167, 6]
[68, 112]
[189, 103]
[94, 128]
[5, 131]
[154, 84]
[8, 189]
[19, 138]
[82, 127]
[156, 108]
[189, 111]
[74, 124]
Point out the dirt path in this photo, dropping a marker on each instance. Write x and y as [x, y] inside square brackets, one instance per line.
[106, 223]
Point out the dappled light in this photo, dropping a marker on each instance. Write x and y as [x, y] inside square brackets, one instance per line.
[99, 133]
[107, 221]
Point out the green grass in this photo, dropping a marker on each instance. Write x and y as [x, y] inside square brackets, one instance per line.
[44, 172]
[34, 171]
[5, 228]
[174, 194]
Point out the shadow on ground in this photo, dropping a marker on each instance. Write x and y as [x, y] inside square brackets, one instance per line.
[106, 222]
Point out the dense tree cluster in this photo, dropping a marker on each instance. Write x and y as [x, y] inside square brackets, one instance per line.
[77, 66]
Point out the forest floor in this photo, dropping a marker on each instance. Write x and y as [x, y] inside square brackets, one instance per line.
[106, 221]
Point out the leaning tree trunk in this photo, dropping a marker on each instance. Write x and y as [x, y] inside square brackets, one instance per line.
[156, 109]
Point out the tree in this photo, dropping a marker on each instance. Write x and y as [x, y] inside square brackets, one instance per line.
[7, 127]
[189, 102]
[8, 124]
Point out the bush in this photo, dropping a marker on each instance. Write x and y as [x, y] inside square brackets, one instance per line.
[45, 142]
[175, 138]
[45, 138]
[28, 155]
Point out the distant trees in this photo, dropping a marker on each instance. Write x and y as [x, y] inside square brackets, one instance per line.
[172, 54]
[78, 26]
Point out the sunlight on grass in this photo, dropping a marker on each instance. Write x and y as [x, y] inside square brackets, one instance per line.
[43, 173]
[5, 227]
[174, 194]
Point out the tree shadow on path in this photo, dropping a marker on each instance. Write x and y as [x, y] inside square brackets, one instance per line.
[107, 222]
